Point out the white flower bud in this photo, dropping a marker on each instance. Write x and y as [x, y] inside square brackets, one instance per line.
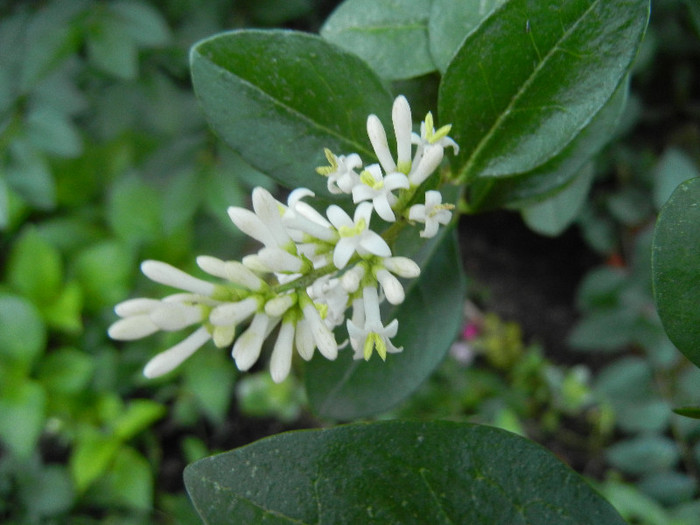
[402, 266]
[163, 273]
[281, 359]
[391, 286]
[171, 358]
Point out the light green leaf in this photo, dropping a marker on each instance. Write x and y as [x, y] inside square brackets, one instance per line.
[390, 35]
[671, 488]
[22, 415]
[128, 483]
[65, 311]
[134, 210]
[554, 215]
[104, 271]
[676, 268]
[674, 167]
[451, 21]
[394, 472]
[279, 97]
[532, 76]
[35, 268]
[137, 417]
[92, 454]
[65, 371]
[429, 320]
[209, 378]
[22, 332]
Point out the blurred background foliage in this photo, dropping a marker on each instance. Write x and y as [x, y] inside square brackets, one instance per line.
[105, 160]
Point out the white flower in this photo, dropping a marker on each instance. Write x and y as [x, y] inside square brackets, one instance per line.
[392, 288]
[303, 219]
[330, 293]
[322, 335]
[372, 334]
[375, 187]
[168, 360]
[432, 213]
[429, 136]
[426, 165]
[402, 266]
[401, 117]
[232, 271]
[265, 224]
[355, 235]
[341, 172]
[231, 314]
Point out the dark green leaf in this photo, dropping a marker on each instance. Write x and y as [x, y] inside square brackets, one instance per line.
[429, 320]
[66, 370]
[552, 216]
[692, 412]
[523, 188]
[30, 175]
[676, 268]
[532, 76]
[390, 35]
[105, 271]
[451, 21]
[279, 97]
[394, 472]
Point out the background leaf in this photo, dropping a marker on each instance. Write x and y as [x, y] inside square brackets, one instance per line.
[526, 81]
[279, 97]
[390, 35]
[552, 216]
[429, 319]
[451, 21]
[393, 472]
[676, 268]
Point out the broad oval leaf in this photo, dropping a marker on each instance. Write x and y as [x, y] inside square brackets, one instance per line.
[676, 268]
[532, 76]
[390, 35]
[439, 472]
[429, 320]
[279, 98]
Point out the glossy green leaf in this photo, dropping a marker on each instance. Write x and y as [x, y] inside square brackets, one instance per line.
[524, 188]
[532, 76]
[22, 415]
[692, 412]
[451, 21]
[394, 472]
[279, 97]
[390, 35]
[429, 320]
[676, 268]
[552, 216]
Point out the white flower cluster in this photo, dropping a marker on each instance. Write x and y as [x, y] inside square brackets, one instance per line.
[310, 269]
